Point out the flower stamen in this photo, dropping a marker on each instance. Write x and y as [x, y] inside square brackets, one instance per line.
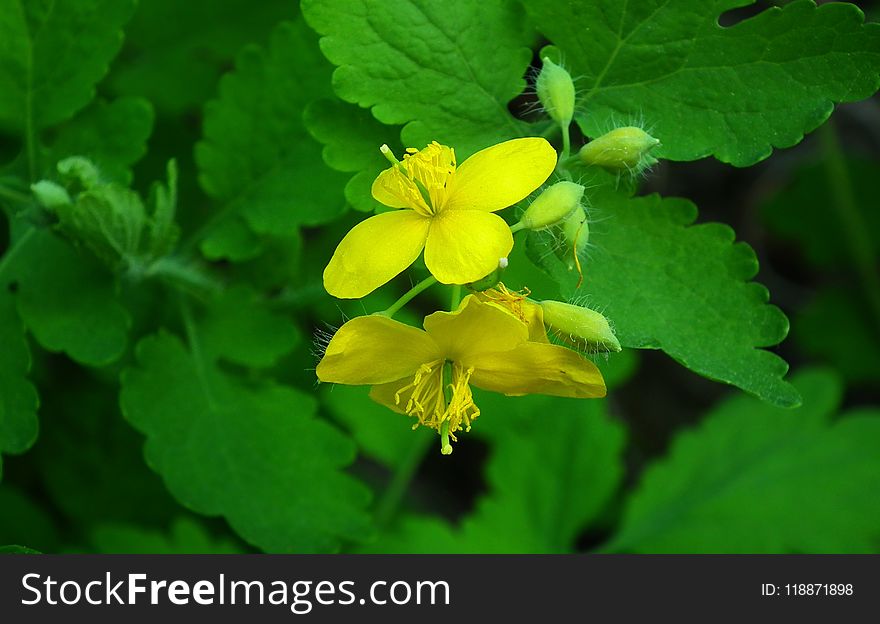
[422, 177]
[511, 300]
[439, 396]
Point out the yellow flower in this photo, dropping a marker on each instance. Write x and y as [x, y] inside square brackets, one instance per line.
[448, 212]
[427, 374]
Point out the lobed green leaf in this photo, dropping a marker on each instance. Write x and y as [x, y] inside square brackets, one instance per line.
[753, 478]
[554, 466]
[668, 284]
[185, 536]
[702, 89]
[351, 138]
[253, 453]
[68, 301]
[48, 67]
[113, 135]
[18, 397]
[256, 155]
[175, 52]
[447, 72]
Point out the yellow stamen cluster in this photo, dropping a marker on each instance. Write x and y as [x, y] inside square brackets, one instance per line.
[424, 171]
[511, 300]
[436, 400]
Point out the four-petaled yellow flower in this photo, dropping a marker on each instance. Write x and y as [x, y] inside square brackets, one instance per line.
[448, 212]
[427, 374]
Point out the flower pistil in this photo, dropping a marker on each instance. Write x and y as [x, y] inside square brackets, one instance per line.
[440, 397]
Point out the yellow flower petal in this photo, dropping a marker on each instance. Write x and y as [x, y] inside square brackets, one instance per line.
[386, 394]
[374, 251]
[389, 189]
[475, 328]
[465, 245]
[375, 350]
[501, 175]
[534, 368]
[518, 304]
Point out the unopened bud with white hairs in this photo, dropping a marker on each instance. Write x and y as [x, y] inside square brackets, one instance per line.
[553, 206]
[622, 149]
[580, 327]
[555, 90]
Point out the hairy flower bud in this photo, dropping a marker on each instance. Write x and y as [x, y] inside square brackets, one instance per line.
[556, 92]
[582, 328]
[78, 170]
[109, 219]
[622, 149]
[553, 206]
[50, 195]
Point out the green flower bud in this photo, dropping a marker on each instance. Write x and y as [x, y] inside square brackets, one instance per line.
[50, 195]
[79, 170]
[553, 206]
[621, 149]
[582, 328]
[556, 92]
[108, 220]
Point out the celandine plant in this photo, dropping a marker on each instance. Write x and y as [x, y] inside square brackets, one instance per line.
[460, 187]
[449, 211]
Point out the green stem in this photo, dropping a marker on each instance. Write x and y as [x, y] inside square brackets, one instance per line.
[180, 274]
[566, 145]
[562, 161]
[15, 248]
[13, 195]
[400, 481]
[851, 218]
[409, 295]
[456, 297]
[516, 227]
[195, 347]
[30, 135]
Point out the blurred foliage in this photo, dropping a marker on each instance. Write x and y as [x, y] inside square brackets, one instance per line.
[196, 164]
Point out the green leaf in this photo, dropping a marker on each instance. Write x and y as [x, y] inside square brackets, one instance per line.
[804, 212]
[51, 56]
[837, 327]
[90, 460]
[351, 138]
[18, 550]
[24, 522]
[446, 71]
[417, 535]
[18, 397]
[381, 434]
[757, 479]
[240, 330]
[112, 135]
[68, 301]
[667, 284]
[554, 467]
[256, 155]
[253, 453]
[186, 536]
[231, 239]
[175, 52]
[703, 89]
